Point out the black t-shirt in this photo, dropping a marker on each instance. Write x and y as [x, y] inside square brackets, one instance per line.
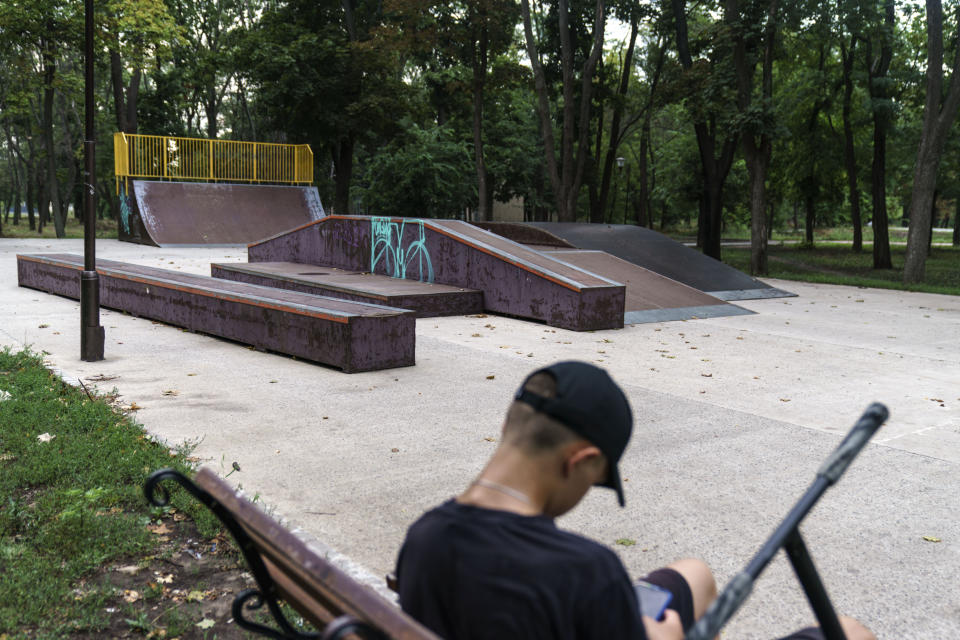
[471, 573]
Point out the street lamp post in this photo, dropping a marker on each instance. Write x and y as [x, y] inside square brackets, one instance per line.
[91, 333]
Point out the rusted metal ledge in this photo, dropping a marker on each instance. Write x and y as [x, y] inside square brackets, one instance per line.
[351, 336]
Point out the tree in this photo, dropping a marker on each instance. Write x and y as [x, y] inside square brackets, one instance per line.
[938, 114]
[756, 135]
[852, 24]
[320, 76]
[138, 31]
[881, 94]
[566, 178]
[708, 127]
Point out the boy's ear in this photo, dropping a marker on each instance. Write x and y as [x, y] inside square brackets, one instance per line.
[586, 453]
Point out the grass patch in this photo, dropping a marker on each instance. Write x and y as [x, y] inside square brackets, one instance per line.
[72, 511]
[72, 229]
[831, 234]
[838, 264]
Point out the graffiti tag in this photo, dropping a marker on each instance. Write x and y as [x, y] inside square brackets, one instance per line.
[398, 259]
[124, 209]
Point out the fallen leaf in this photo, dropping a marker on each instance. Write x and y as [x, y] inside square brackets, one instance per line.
[134, 407]
[394, 450]
[129, 595]
[491, 377]
[43, 326]
[130, 570]
[195, 595]
[475, 335]
[191, 374]
[932, 539]
[707, 375]
[167, 579]
[206, 623]
[626, 542]
[171, 392]
[159, 529]
[4, 395]
[490, 439]
[45, 437]
[784, 399]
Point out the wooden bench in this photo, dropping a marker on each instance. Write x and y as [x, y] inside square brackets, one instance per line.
[286, 568]
[353, 336]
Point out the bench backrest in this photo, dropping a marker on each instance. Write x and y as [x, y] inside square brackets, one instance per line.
[309, 583]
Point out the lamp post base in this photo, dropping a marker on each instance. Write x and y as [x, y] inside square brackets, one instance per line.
[91, 333]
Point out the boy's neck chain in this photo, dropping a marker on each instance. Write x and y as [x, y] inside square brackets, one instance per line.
[509, 491]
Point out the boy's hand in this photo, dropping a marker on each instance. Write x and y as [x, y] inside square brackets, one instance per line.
[669, 629]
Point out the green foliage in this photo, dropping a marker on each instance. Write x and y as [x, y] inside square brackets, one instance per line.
[425, 174]
[71, 471]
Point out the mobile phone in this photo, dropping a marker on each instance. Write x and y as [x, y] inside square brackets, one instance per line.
[653, 600]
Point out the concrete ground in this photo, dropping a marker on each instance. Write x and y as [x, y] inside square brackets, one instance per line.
[733, 417]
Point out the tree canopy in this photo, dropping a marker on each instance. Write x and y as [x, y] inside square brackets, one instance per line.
[705, 116]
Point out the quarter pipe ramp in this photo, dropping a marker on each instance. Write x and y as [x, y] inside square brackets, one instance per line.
[201, 213]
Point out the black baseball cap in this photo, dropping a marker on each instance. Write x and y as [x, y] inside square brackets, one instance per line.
[591, 404]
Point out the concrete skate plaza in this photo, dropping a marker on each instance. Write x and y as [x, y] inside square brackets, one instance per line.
[733, 417]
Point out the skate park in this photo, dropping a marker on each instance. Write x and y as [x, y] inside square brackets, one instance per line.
[733, 416]
[734, 411]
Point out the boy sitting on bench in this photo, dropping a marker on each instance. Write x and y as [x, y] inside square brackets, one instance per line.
[492, 564]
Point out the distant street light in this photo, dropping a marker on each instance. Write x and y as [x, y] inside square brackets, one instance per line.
[620, 162]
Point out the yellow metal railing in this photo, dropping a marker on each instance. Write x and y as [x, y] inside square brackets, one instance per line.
[174, 158]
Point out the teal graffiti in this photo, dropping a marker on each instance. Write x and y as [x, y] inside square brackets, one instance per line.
[399, 260]
[125, 214]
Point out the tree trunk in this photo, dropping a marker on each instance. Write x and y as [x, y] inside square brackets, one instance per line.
[479, 60]
[615, 133]
[715, 170]
[593, 190]
[49, 74]
[116, 83]
[566, 178]
[849, 150]
[644, 212]
[756, 152]
[133, 92]
[31, 197]
[881, 122]
[956, 223]
[43, 200]
[936, 123]
[211, 107]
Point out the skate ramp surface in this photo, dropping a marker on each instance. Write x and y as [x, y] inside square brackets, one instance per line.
[649, 296]
[191, 213]
[643, 247]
